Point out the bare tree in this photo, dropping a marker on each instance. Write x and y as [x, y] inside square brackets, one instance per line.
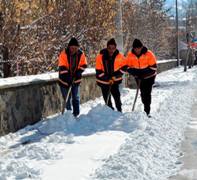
[148, 21]
[35, 31]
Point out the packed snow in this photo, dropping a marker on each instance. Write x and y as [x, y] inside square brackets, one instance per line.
[25, 80]
[104, 144]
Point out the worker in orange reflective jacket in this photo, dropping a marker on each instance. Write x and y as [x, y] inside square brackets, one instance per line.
[109, 71]
[142, 65]
[72, 62]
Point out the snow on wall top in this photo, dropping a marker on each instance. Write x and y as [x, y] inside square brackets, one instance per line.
[46, 77]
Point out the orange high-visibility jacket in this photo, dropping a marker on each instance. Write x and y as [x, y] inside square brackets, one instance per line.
[144, 67]
[102, 69]
[66, 73]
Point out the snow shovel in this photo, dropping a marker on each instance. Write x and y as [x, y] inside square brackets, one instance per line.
[108, 95]
[136, 95]
[67, 96]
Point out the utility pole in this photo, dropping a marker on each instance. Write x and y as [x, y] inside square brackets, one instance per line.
[177, 33]
[119, 33]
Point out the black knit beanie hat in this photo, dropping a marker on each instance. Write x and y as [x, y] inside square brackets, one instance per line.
[137, 43]
[73, 42]
[111, 42]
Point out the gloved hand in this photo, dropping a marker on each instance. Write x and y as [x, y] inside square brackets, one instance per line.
[111, 81]
[113, 78]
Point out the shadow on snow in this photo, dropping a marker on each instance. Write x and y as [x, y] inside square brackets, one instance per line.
[100, 118]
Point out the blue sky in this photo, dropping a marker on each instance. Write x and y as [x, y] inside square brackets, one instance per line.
[172, 4]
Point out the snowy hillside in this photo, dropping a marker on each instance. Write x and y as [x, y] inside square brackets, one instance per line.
[104, 144]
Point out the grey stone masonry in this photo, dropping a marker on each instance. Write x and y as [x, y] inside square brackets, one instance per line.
[20, 106]
[28, 103]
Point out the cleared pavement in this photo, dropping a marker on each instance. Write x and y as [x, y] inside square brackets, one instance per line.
[189, 148]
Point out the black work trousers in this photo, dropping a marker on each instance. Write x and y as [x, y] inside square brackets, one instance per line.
[114, 91]
[145, 90]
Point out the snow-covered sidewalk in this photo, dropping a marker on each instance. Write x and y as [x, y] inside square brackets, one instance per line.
[105, 144]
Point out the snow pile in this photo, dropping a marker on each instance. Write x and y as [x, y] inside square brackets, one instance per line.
[152, 153]
[105, 144]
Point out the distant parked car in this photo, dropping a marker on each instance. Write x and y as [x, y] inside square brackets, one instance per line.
[193, 43]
